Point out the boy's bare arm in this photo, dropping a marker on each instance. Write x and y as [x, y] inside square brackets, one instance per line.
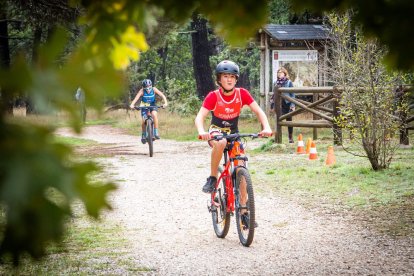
[139, 94]
[199, 123]
[158, 92]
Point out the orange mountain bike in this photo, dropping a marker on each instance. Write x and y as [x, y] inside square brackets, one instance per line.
[234, 191]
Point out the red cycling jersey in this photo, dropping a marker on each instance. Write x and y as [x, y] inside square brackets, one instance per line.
[226, 109]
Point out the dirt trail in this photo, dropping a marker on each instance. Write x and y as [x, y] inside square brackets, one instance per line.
[160, 203]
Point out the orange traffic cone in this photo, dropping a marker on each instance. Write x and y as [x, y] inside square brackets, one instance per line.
[301, 147]
[308, 145]
[330, 158]
[313, 155]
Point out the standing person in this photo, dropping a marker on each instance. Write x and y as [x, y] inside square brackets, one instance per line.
[147, 92]
[284, 81]
[80, 98]
[225, 105]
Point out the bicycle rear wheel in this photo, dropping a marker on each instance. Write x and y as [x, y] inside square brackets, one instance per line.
[219, 214]
[245, 215]
[150, 135]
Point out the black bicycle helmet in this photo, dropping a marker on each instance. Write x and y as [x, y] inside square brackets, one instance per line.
[229, 67]
[146, 83]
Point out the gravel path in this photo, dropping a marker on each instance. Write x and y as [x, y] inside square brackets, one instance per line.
[160, 203]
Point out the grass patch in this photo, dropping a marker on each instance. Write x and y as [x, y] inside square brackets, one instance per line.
[88, 248]
[351, 184]
[271, 146]
[73, 141]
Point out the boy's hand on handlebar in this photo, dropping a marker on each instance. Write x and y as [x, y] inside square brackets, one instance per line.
[165, 105]
[265, 133]
[204, 136]
[132, 106]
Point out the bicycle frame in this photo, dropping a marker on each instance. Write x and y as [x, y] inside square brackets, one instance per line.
[228, 177]
[149, 117]
[148, 112]
[231, 157]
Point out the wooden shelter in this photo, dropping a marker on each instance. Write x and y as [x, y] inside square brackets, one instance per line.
[288, 37]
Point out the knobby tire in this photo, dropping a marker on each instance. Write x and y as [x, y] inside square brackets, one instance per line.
[150, 135]
[246, 234]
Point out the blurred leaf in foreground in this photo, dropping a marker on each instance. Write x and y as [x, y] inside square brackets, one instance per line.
[38, 184]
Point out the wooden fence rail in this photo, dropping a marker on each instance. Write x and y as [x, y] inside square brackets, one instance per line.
[323, 116]
[325, 109]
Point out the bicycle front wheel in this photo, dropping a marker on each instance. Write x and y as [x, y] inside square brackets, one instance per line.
[150, 135]
[245, 209]
[219, 214]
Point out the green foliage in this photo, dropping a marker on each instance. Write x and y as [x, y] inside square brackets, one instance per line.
[182, 96]
[369, 107]
[248, 60]
[246, 16]
[279, 11]
[38, 183]
[390, 21]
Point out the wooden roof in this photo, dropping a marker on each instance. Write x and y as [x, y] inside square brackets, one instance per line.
[297, 32]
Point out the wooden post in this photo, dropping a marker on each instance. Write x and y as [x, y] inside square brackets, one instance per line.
[266, 76]
[337, 131]
[278, 113]
[263, 51]
[315, 130]
[399, 95]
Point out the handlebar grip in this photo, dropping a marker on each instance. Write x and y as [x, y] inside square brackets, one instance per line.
[201, 138]
[261, 136]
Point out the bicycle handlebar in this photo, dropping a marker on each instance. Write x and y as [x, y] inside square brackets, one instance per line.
[234, 136]
[143, 107]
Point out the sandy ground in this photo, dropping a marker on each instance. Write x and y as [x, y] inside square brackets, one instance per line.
[160, 204]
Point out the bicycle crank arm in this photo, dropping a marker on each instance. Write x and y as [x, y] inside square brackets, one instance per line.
[212, 206]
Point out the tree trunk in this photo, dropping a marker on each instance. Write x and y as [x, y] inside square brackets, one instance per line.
[244, 80]
[37, 37]
[201, 56]
[163, 53]
[6, 101]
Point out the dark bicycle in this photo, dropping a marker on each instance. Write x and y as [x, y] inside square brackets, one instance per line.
[149, 127]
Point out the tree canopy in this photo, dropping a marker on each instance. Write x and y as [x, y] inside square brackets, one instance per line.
[390, 21]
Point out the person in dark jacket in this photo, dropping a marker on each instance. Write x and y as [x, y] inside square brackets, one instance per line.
[287, 106]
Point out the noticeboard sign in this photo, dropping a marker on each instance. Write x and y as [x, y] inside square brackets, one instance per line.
[302, 66]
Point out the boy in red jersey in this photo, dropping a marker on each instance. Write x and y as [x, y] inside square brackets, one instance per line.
[225, 105]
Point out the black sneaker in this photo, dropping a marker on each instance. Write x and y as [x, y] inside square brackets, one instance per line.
[245, 221]
[143, 139]
[210, 185]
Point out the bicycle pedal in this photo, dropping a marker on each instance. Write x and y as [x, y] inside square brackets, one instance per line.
[211, 207]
